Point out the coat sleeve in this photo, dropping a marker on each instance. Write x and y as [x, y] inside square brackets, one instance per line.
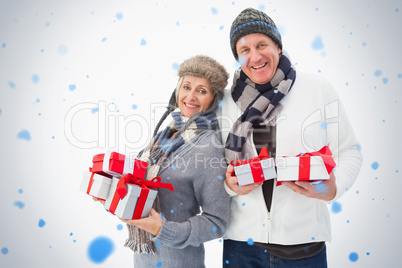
[210, 194]
[344, 145]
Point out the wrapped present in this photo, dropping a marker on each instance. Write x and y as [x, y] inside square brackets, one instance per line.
[257, 169]
[132, 198]
[95, 185]
[112, 164]
[314, 166]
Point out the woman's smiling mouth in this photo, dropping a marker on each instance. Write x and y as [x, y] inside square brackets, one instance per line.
[191, 106]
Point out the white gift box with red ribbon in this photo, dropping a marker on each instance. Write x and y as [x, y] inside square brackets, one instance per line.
[293, 169]
[254, 170]
[113, 164]
[132, 198]
[314, 166]
[95, 185]
[126, 207]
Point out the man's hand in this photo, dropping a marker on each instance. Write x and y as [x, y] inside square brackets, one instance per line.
[231, 182]
[325, 190]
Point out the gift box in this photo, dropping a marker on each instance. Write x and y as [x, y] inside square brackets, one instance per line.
[113, 164]
[132, 198]
[314, 166]
[125, 207]
[256, 169]
[95, 185]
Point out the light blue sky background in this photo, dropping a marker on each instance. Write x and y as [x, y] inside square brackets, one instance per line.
[77, 77]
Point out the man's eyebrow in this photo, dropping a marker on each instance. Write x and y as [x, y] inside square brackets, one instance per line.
[242, 46]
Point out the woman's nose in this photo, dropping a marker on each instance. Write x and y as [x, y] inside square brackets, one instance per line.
[191, 95]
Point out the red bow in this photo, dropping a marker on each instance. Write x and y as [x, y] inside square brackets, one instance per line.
[144, 184]
[255, 165]
[130, 178]
[304, 163]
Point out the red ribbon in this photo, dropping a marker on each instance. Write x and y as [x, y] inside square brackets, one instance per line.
[255, 165]
[117, 163]
[91, 181]
[121, 192]
[304, 168]
[139, 169]
[304, 163]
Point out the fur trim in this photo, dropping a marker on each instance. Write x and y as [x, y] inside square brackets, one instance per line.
[208, 68]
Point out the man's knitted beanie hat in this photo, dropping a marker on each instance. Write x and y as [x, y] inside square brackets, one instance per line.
[251, 21]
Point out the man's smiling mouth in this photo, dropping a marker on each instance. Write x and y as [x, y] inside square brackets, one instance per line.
[259, 66]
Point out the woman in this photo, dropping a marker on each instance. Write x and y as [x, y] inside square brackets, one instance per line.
[188, 155]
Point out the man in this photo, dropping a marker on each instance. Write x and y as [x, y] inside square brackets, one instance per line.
[271, 104]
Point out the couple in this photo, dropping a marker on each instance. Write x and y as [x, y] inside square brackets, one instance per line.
[263, 225]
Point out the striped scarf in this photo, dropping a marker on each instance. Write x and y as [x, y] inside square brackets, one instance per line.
[259, 105]
[180, 131]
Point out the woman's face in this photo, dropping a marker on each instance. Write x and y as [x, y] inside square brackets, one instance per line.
[258, 56]
[195, 95]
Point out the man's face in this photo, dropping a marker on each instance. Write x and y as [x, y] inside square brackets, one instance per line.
[258, 56]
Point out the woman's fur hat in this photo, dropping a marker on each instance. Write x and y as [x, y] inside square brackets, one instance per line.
[204, 67]
[207, 68]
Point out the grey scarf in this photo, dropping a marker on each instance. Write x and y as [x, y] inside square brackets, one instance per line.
[260, 106]
[179, 132]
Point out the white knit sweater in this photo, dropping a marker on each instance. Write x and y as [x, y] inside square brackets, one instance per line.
[312, 117]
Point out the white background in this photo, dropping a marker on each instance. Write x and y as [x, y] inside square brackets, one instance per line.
[122, 56]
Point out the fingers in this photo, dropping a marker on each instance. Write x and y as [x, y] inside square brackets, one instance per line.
[151, 224]
[130, 222]
[304, 185]
[292, 185]
[153, 212]
[245, 189]
[230, 169]
[241, 190]
[324, 190]
[98, 200]
[231, 180]
[126, 221]
[232, 183]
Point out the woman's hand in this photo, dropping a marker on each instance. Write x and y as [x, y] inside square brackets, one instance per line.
[231, 182]
[151, 224]
[98, 200]
[325, 190]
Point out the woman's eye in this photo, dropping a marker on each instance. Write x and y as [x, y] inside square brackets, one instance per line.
[203, 92]
[186, 87]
